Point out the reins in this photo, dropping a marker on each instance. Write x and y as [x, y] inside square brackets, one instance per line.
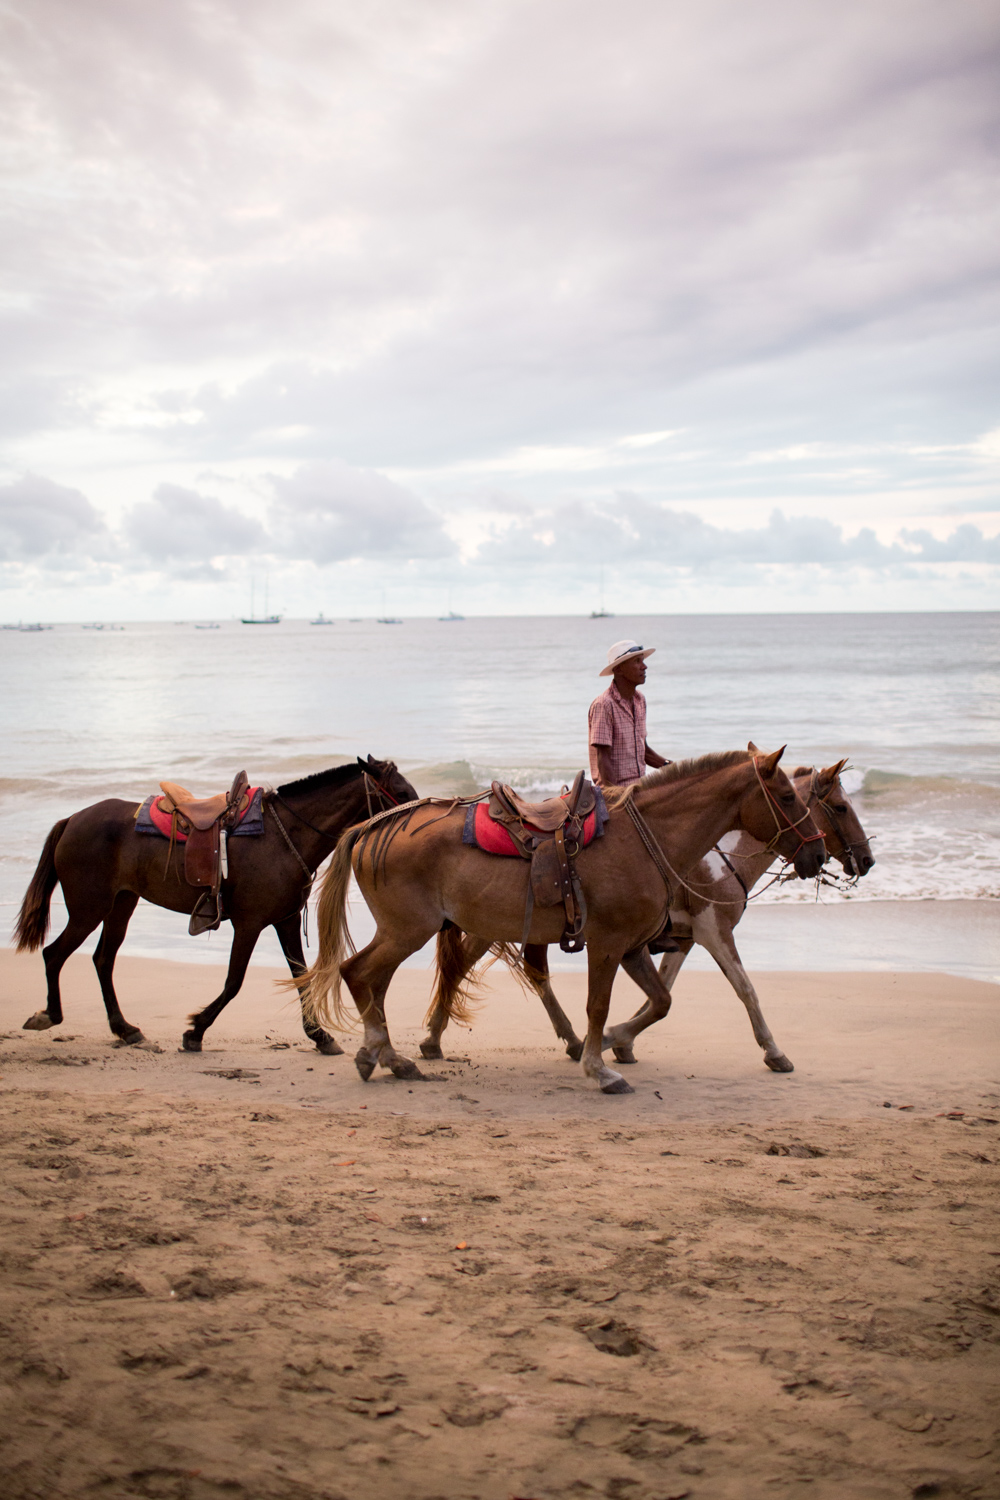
[663, 864]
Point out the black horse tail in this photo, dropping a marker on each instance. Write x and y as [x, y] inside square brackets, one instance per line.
[33, 919]
[454, 988]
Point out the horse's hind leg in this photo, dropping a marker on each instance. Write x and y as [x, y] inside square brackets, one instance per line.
[244, 942]
[289, 932]
[536, 970]
[367, 976]
[473, 949]
[657, 985]
[112, 937]
[76, 931]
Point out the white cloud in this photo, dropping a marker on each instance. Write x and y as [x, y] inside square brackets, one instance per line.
[529, 245]
[49, 525]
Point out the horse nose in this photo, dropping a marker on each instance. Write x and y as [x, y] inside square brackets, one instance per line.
[865, 862]
[809, 860]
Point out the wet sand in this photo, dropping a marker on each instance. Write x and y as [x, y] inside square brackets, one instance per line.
[246, 1273]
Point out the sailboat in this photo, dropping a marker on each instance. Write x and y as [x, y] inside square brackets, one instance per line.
[321, 619]
[265, 618]
[384, 619]
[602, 613]
[451, 615]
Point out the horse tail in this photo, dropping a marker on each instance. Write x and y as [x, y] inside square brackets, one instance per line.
[33, 919]
[456, 985]
[320, 986]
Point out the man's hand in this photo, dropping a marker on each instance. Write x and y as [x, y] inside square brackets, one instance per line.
[655, 760]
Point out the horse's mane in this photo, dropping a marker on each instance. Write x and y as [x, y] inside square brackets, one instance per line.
[678, 770]
[334, 776]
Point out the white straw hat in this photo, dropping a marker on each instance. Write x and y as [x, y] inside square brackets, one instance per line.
[624, 651]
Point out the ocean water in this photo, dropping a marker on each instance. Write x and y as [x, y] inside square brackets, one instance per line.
[913, 700]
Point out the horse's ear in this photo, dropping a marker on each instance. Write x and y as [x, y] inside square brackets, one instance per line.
[752, 748]
[360, 761]
[371, 759]
[768, 764]
[829, 774]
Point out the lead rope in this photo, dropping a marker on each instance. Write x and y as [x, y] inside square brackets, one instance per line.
[309, 874]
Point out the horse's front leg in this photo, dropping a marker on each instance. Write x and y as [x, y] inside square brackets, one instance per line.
[473, 948]
[601, 970]
[367, 976]
[716, 935]
[536, 970]
[289, 931]
[640, 968]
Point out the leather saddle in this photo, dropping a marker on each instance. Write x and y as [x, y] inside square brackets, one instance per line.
[206, 821]
[550, 835]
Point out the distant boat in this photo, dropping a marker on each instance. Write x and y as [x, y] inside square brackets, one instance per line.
[255, 618]
[210, 626]
[33, 629]
[384, 618]
[602, 613]
[321, 619]
[99, 625]
[451, 615]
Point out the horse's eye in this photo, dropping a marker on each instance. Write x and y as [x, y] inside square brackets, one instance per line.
[839, 807]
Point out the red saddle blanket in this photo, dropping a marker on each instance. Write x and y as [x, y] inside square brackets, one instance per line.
[151, 812]
[483, 833]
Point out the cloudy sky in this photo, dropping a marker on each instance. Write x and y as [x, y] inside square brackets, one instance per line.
[482, 299]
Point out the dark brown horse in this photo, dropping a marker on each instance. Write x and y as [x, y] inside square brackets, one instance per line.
[104, 866]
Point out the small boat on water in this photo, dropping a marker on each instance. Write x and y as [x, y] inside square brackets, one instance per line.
[451, 615]
[601, 614]
[211, 625]
[254, 617]
[33, 629]
[388, 620]
[321, 619]
[99, 625]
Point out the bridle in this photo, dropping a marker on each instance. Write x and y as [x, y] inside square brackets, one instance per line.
[778, 813]
[381, 792]
[849, 846]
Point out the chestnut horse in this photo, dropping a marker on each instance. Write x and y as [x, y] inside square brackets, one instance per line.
[418, 876]
[705, 911]
[105, 866]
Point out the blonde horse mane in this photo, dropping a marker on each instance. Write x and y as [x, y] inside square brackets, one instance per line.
[678, 770]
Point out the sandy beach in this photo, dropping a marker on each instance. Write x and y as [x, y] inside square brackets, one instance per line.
[247, 1273]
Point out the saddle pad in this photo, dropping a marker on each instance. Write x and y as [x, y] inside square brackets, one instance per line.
[482, 833]
[151, 817]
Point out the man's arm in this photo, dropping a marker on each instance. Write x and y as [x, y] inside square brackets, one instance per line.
[605, 774]
[654, 759]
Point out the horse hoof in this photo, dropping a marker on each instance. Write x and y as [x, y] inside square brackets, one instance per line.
[330, 1047]
[40, 1021]
[624, 1054]
[190, 1042]
[432, 1051]
[365, 1065]
[618, 1087]
[779, 1064]
[405, 1067]
[132, 1037]
[574, 1051]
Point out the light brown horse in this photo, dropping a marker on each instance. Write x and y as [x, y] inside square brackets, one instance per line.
[705, 910]
[419, 876]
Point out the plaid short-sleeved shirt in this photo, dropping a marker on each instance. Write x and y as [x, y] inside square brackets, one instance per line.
[619, 726]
